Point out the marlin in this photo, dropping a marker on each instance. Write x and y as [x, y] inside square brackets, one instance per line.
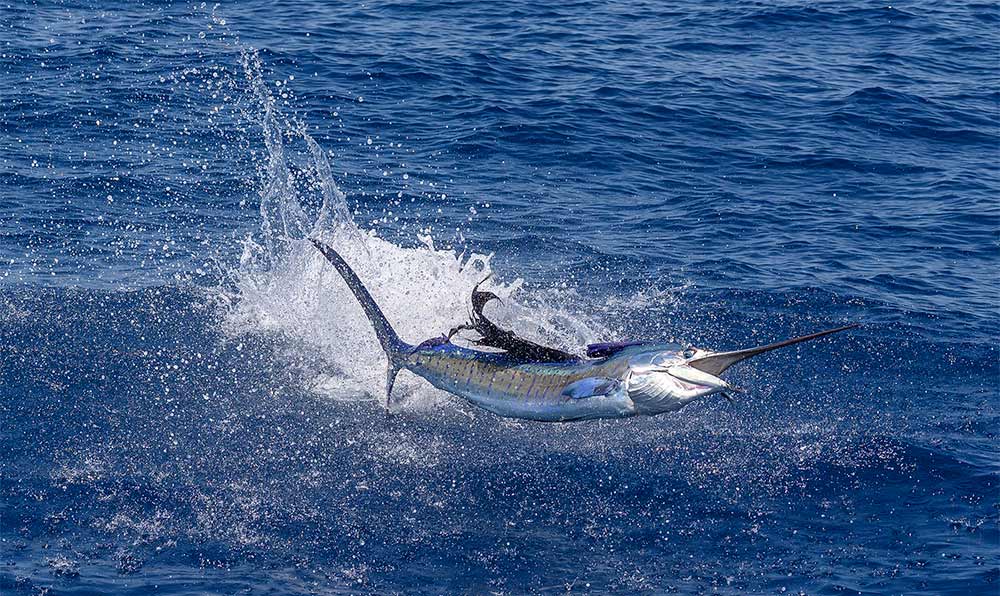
[526, 380]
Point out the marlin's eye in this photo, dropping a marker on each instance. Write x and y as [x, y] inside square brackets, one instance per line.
[688, 353]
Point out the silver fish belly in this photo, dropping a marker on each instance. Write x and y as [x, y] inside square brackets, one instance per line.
[532, 391]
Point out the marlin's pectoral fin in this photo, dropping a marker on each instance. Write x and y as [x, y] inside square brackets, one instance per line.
[591, 387]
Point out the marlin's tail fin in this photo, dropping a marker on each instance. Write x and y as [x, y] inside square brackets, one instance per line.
[395, 348]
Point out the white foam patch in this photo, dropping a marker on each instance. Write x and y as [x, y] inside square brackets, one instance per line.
[284, 286]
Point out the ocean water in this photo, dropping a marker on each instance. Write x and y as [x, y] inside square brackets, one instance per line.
[190, 398]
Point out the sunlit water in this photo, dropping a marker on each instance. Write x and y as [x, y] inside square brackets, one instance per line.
[190, 397]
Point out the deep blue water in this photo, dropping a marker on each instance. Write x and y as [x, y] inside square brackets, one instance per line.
[187, 401]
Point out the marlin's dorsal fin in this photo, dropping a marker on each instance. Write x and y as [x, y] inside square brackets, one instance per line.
[503, 339]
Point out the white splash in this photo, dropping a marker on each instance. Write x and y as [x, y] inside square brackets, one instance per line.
[284, 286]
